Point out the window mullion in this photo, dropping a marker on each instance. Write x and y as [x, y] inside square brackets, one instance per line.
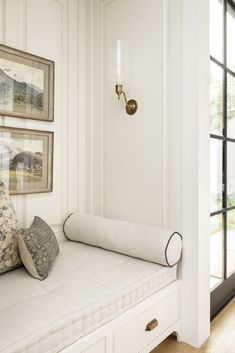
[225, 204]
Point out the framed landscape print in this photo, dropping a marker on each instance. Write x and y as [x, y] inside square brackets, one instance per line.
[26, 160]
[26, 85]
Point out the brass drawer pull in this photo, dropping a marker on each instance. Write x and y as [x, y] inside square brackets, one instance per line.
[151, 325]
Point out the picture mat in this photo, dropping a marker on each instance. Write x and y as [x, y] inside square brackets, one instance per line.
[23, 73]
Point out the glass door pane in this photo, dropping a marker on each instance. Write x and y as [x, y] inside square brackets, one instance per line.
[216, 29]
[231, 106]
[222, 164]
[230, 38]
[230, 242]
[216, 175]
[230, 174]
[216, 250]
[216, 99]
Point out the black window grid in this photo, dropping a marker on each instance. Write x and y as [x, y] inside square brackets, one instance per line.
[224, 138]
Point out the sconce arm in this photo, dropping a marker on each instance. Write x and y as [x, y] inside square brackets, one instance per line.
[124, 95]
[131, 105]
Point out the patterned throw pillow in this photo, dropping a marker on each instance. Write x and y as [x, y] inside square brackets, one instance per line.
[38, 248]
[9, 253]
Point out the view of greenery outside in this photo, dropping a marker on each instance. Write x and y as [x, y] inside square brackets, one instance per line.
[216, 249]
[216, 102]
[216, 118]
[222, 142]
[216, 99]
[231, 105]
[216, 127]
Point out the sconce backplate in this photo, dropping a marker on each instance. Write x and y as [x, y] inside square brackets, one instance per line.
[131, 106]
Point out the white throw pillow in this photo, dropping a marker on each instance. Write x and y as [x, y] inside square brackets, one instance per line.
[154, 244]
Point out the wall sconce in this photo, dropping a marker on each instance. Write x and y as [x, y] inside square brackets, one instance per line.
[131, 105]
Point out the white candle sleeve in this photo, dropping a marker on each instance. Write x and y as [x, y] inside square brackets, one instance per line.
[119, 63]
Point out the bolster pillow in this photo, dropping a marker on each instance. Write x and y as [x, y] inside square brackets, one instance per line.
[149, 243]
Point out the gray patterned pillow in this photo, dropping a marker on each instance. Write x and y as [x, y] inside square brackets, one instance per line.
[9, 253]
[38, 248]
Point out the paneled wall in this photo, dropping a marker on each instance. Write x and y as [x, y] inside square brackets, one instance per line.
[49, 28]
[154, 166]
[150, 168]
[105, 162]
[132, 178]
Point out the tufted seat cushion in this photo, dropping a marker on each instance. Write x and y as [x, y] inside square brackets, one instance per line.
[87, 287]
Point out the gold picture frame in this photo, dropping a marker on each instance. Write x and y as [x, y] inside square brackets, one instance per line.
[26, 85]
[26, 160]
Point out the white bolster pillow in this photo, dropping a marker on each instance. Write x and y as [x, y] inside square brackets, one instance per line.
[149, 243]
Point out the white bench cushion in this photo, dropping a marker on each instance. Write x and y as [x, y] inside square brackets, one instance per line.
[87, 287]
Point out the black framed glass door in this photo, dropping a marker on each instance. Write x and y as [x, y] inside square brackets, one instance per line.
[222, 156]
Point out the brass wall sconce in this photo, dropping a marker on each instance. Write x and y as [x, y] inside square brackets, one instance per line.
[131, 105]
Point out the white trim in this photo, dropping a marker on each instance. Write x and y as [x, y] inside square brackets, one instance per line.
[71, 188]
[165, 133]
[97, 111]
[3, 36]
[3, 21]
[94, 133]
[19, 39]
[195, 171]
[107, 2]
[91, 106]
[22, 43]
[82, 106]
[103, 3]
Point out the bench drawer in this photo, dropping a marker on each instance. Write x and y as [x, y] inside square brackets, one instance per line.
[139, 332]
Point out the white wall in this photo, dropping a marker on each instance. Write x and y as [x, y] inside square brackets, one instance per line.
[131, 148]
[49, 28]
[150, 168]
[154, 167]
[195, 168]
[188, 114]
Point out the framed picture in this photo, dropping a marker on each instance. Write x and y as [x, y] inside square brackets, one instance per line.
[26, 160]
[26, 85]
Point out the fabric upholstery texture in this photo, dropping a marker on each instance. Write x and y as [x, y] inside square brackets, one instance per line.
[159, 245]
[9, 252]
[87, 287]
[38, 248]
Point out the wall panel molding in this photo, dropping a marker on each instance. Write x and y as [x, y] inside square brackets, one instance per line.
[98, 108]
[22, 24]
[81, 77]
[15, 26]
[3, 21]
[165, 134]
[98, 191]
[89, 106]
[72, 104]
[20, 28]
[107, 2]
[64, 92]
[60, 2]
